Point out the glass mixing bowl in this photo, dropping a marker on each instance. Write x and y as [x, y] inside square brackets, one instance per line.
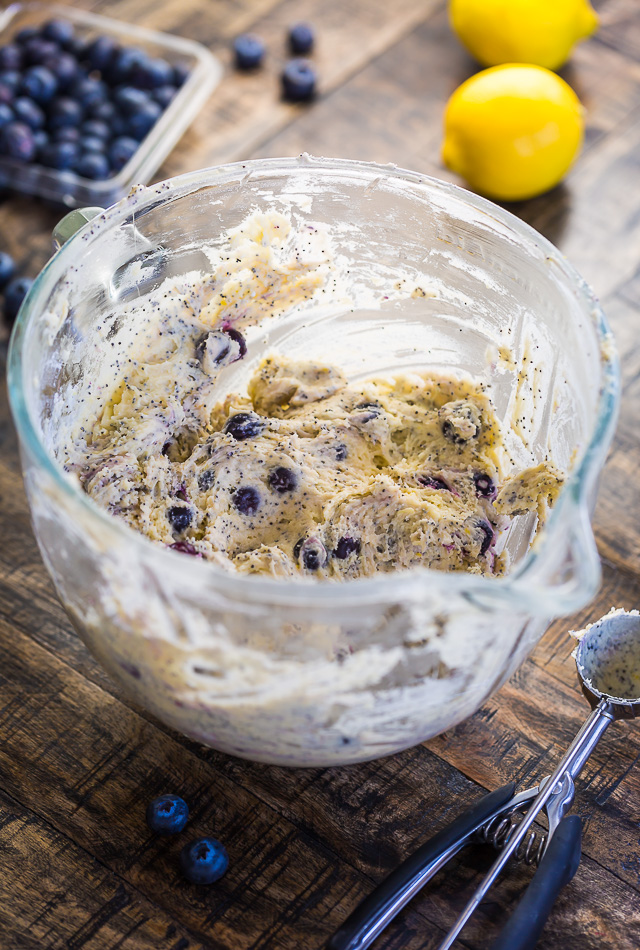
[320, 674]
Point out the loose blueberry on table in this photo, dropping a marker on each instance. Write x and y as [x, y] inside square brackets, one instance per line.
[204, 861]
[248, 50]
[298, 81]
[301, 39]
[57, 86]
[167, 814]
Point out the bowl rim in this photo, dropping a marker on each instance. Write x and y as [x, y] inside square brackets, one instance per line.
[522, 587]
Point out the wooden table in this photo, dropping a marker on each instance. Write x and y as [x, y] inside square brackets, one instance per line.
[78, 763]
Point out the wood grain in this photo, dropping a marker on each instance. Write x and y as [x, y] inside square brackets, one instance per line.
[78, 761]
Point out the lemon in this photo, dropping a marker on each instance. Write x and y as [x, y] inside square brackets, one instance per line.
[542, 32]
[512, 131]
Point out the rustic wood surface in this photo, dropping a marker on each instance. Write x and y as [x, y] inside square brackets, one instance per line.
[78, 763]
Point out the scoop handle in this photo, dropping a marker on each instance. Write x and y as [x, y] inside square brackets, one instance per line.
[558, 866]
[378, 909]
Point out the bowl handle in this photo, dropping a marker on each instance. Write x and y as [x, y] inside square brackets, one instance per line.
[72, 222]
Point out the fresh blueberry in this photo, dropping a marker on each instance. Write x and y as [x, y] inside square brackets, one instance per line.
[151, 74]
[60, 155]
[185, 548]
[103, 111]
[484, 485]
[39, 84]
[204, 861]
[11, 78]
[430, 481]
[180, 74]
[59, 30]
[130, 100]
[300, 39]
[92, 143]
[341, 452]
[123, 63]
[249, 51]
[179, 517]
[167, 814]
[41, 138]
[77, 46]
[298, 81]
[7, 268]
[64, 111]
[96, 128]
[282, 480]
[143, 120]
[247, 500]
[68, 133]
[6, 94]
[26, 110]
[163, 95]
[16, 141]
[10, 56]
[118, 126]
[6, 114]
[345, 547]
[93, 165]
[38, 50]
[14, 293]
[238, 338]
[89, 92]
[244, 425]
[120, 151]
[487, 531]
[221, 347]
[101, 52]
[26, 33]
[64, 67]
[311, 553]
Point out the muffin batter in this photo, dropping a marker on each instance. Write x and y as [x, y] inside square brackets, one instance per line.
[307, 475]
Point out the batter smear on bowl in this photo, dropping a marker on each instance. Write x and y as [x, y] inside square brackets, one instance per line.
[306, 475]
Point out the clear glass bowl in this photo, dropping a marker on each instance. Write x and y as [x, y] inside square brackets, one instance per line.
[74, 191]
[323, 674]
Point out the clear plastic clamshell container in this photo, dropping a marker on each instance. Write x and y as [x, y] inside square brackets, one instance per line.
[68, 188]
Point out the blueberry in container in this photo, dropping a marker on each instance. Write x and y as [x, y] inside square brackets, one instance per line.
[46, 40]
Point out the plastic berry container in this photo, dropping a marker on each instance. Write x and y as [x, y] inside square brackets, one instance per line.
[204, 72]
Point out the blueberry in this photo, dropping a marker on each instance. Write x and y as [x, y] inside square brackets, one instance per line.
[93, 165]
[151, 74]
[204, 861]
[92, 143]
[103, 111]
[39, 84]
[484, 485]
[11, 78]
[180, 74]
[167, 815]
[120, 151]
[185, 548]
[130, 100]
[345, 547]
[206, 479]
[25, 34]
[10, 57]
[487, 531]
[430, 481]
[163, 95]
[220, 348]
[96, 128]
[77, 46]
[311, 553]
[41, 138]
[38, 50]
[7, 268]
[143, 120]
[63, 112]
[238, 338]
[249, 51]
[101, 52]
[298, 81]
[123, 63]
[449, 432]
[300, 38]
[60, 155]
[16, 141]
[180, 518]
[6, 94]
[247, 500]
[64, 67]
[26, 110]
[6, 114]
[341, 452]
[14, 293]
[68, 133]
[282, 480]
[244, 425]
[59, 30]
[89, 92]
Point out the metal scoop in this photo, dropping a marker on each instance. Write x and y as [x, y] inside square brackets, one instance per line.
[608, 662]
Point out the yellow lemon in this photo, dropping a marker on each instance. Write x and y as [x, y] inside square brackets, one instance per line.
[512, 131]
[542, 32]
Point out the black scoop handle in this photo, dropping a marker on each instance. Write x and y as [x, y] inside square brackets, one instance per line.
[558, 866]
